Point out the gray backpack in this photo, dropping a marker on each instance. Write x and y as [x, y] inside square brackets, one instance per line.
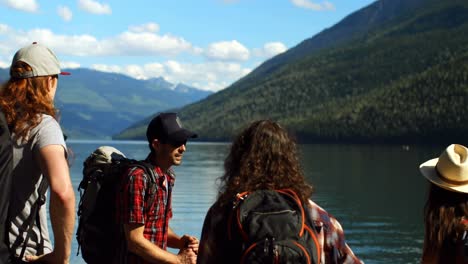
[99, 239]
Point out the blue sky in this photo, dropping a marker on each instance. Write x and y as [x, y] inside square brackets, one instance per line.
[208, 44]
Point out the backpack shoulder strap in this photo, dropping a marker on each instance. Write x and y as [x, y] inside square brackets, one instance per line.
[29, 223]
[6, 176]
[6, 157]
[233, 218]
[147, 167]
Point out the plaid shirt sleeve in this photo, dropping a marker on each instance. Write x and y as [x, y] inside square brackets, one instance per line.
[331, 237]
[133, 197]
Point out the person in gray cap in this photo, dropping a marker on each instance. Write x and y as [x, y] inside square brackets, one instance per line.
[144, 208]
[39, 160]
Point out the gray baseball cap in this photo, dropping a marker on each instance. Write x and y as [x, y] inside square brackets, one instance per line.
[41, 59]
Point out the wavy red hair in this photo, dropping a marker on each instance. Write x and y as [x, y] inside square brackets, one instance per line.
[24, 100]
[263, 156]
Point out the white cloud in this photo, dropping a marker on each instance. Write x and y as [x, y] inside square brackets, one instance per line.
[69, 65]
[148, 27]
[124, 44]
[274, 48]
[4, 64]
[328, 6]
[107, 68]
[227, 50]
[270, 49]
[65, 13]
[136, 71]
[30, 6]
[4, 29]
[197, 51]
[205, 74]
[307, 4]
[212, 76]
[145, 43]
[154, 70]
[94, 7]
[77, 45]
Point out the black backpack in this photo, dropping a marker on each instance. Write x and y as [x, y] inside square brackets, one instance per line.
[6, 173]
[270, 226]
[99, 238]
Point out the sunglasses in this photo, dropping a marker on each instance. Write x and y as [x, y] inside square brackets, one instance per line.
[176, 144]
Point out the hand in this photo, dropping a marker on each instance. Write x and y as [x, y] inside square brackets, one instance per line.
[47, 258]
[187, 256]
[190, 242]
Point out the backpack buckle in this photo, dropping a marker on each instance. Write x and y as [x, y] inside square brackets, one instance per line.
[41, 200]
[239, 198]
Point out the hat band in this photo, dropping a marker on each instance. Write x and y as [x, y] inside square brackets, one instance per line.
[22, 75]
[449, 180]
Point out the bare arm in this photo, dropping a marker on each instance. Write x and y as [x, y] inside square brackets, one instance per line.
[173, 240]
[186, 241]
[54, 166]
[142, 247]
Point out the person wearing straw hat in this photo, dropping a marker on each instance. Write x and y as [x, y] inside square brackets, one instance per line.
[39, 160]
[446, 209]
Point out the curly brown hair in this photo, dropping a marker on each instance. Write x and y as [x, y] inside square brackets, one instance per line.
[263, 156]
[23, 100]
[443, 211]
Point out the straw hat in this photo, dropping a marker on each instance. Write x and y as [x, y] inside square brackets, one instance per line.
[450, 170]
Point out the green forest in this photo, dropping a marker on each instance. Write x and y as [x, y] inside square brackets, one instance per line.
[405, 80]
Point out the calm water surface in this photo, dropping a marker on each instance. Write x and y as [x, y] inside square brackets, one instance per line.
[376, 192]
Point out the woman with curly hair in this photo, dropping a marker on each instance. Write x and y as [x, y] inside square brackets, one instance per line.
[39, 159]
[446, 209]
[264, 157]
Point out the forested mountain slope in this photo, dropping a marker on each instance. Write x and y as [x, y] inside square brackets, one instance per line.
[403, 80]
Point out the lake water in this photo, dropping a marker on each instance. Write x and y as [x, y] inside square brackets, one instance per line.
[376, 192]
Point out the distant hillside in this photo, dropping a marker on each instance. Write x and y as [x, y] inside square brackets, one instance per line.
[396, 73]
[353, 26]
[3, 75]
[96, 104]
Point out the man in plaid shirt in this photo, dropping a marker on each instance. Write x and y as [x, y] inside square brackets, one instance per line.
[144, 207]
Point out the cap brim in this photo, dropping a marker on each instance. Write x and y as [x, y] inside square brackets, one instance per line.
[428, 170]
[181, 135]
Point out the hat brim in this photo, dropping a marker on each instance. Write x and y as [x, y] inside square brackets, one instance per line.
[181, 135]
[428, 170]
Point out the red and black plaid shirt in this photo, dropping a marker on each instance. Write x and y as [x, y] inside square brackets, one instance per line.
[141, 202]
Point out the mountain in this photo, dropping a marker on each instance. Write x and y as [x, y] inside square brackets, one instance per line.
[97, 104]
[394, 71]
[4, 75]
[353, 26]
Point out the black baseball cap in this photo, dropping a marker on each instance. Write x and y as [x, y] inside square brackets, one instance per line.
[167, 128]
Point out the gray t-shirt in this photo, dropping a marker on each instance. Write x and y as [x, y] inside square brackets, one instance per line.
[26, 179]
